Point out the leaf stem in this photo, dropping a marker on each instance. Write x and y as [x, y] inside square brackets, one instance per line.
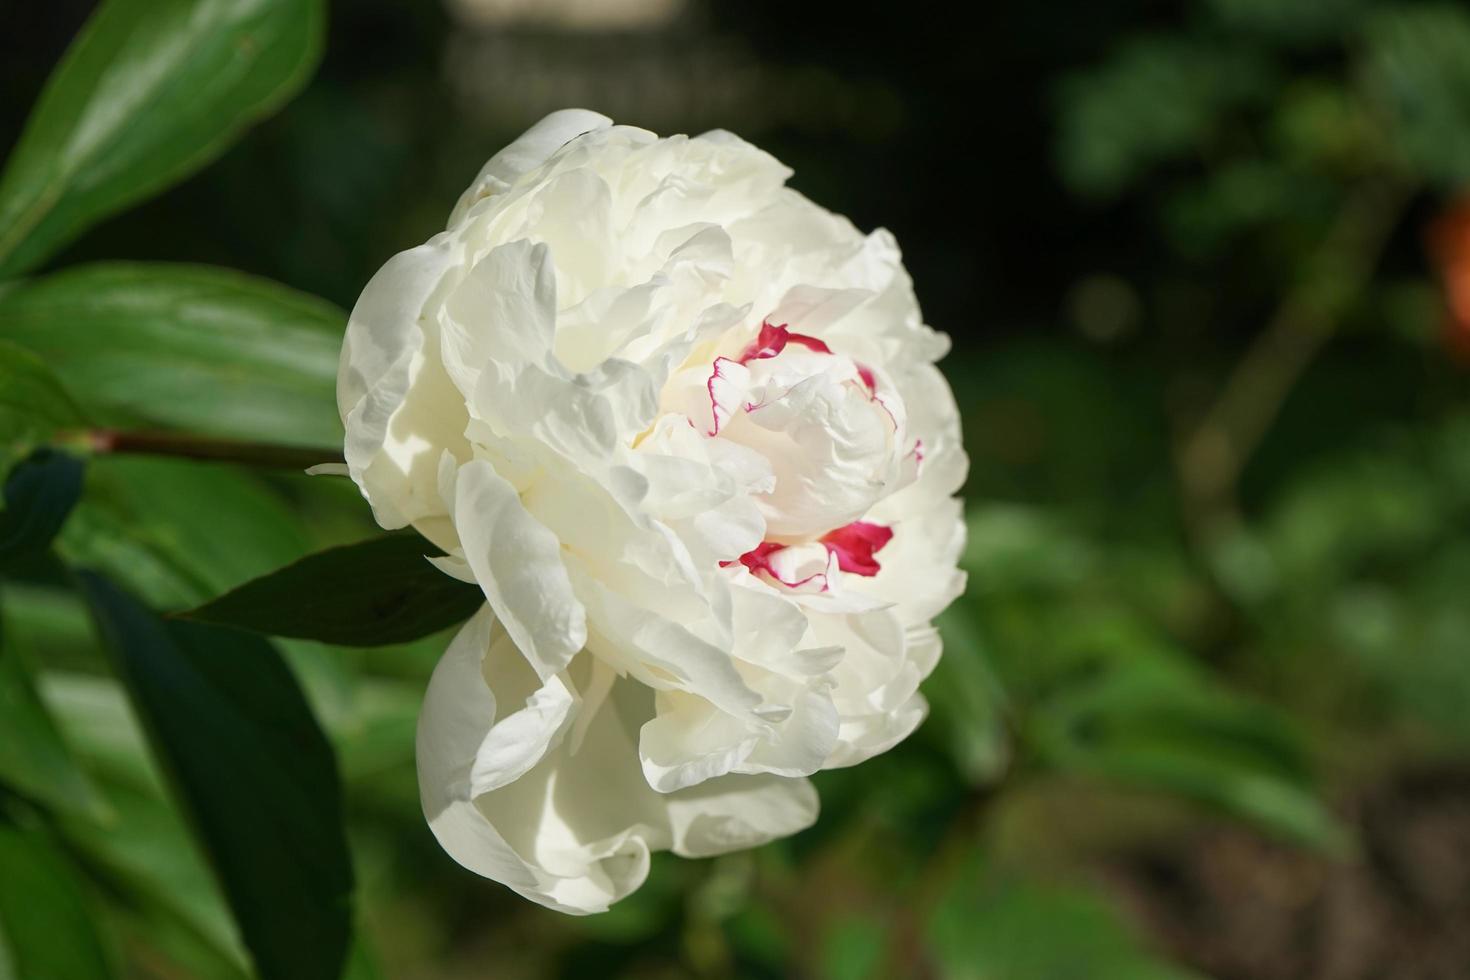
[189, 446]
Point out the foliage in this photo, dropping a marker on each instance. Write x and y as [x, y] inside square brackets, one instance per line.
[1158, 647]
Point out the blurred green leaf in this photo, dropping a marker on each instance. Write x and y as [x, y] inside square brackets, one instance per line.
[1346, 514]
[1409, 641]
[145, 853]
[33, 404]
[853, 948]
[254, 772]
[1297, 21]
[47, 923]
[1116, 124]
[967, 700]
[991, 927]
[1014, 548]
[193, 347]
[372, 593]
[1418, 64]
[178, 532]
[39, 495]
[149, 92]
[1206, 216]
[34, 758]
[1129, 710]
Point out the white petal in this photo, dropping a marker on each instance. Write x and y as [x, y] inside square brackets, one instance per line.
[521, 738]
[529, 151]
[573, 834]
[690, 740]
[662, 653]
[501, 317]
[736, 812]
[518, 564]
[398, 412]
[575, 831]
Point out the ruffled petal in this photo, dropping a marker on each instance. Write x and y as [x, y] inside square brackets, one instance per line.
[575, 830]
[529, 151]
[398, 411]
[518, 564]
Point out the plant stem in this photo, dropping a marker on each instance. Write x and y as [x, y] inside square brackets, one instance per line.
[1212, 457]
[189, 446]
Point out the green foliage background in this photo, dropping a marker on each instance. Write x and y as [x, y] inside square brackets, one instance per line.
[1209, 685]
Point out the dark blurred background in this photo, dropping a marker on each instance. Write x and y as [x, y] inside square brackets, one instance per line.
[1205, 709]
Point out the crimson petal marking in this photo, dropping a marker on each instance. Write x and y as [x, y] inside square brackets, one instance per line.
[773, 340]
[855, 544]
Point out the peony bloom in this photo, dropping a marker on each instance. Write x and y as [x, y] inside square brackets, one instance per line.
[684, 428]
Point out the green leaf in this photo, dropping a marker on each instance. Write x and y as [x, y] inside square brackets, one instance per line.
[1418, 65]
[149, 92]
[33, 404]
[853, 947]
[373, 593]
[1115, 127]
[34, 759]
[39, 494]
[177, 532]
[1301, 21]
[184, 346]
[1150, 721]
[47, 925]
[144, 853]
[967, 699]
[992, 927]
[254, 773]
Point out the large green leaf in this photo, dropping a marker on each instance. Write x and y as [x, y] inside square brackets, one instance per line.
[39, 495]
[33, 404]
[178, 532]
[966, 698]
[150, 91]
[34, 759]
[48, 929]
[373, 593]
[254, 773]
[193, 347]
[143, 852]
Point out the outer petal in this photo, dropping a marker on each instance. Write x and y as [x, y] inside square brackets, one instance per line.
[736, 812]
[518, 564]
[522, 738]
[521, 835]
[575, 830]
[531, 150]
[396, 405]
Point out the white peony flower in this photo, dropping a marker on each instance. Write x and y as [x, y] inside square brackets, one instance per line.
[684, 429]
